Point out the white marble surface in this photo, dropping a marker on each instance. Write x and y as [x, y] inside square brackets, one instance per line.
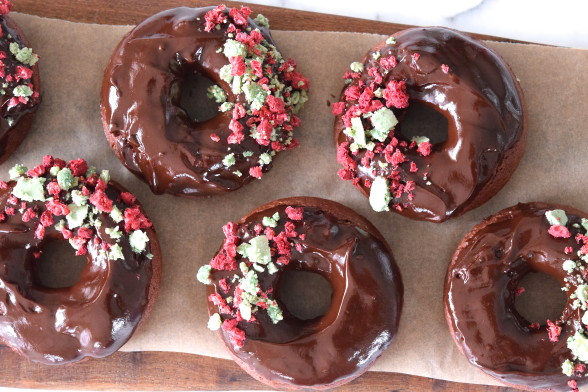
[560, 22]
[557, 23]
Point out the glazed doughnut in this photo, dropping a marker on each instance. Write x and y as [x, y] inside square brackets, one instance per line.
[259, 94]
[483, 280]
[59, 201]
[304, 234]
[19, 76]
[456, 76]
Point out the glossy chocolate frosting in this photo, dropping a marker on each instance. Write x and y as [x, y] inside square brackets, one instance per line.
[16, 120]
[143, 120]
[92, 318]
[480, 293]
[483, 104]
[364, 313]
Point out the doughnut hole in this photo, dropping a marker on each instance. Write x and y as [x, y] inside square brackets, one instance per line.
[306, 295]
[541, 300]
[421, 119]
[188, 92]
[58, 267]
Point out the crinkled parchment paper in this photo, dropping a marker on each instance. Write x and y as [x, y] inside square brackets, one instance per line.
[68, 125]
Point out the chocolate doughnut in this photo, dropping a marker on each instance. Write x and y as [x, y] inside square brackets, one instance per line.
[483, 280]
[19, 77]
[454, 75]
[59, 201]
[259, 94]
[303, 234]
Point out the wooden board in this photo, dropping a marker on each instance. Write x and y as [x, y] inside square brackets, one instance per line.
[174, 371]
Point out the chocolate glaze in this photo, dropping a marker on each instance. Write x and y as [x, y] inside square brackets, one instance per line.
[484, 108]
[480, 289]
[143, 121]
[11, 136]
[365, 310]
[92, 318]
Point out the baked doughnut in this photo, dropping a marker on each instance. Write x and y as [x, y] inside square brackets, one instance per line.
[483, 280]
[303, 234]
[20, 84]
[59, 201]
[259, 94]
[453, 75]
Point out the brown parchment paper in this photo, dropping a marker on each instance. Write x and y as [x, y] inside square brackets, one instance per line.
[68, 125]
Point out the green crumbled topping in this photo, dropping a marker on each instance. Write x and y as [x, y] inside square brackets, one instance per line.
[234, 48]
[226, 106]
[236, 86]
[419, 139]
[262, 21]
[582, 292]
[77, 215]
[59, 225]
[247, 153]
[216, 92]
[357, 132]
[24, 55]
[105, 176]
[203, 274]
[17, 171]
[391, 41]
[245, 310]
[116, 215]
[255, 95]
[578, 345]
[78, 197]
[249, 282]
[225, 73]
[54, 170]
[569, 265]
[271, 268]
[376, 55]
[29, 189]
[584, 224]
[114, 233]
[274, 312]
[556, 217]
[238, 173]
[383, 121]
[265, 158]
[65, 179]
[585, 318]
[229, 160]
[259, 250]
[138, 240]
[271, 221]
[9, 120]
[116, 253]
[22, 91]
[380, 194]
[214, 322]
[567, 368]
[356, 66]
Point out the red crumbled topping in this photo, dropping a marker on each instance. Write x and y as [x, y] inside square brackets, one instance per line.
[135, 220]
[295, 213]
[255, 171]
[214, 17]
[215, 137]
[53, 188]
[240, 16]
[519, 291]
[56, 207]
[580, 368]
[559, 231]
[223, 262]
[572, 384]
[5, 6]
[23, 73]
[78, 167]
[37, 171]
[40, 232]
[28, 215]
[236, 335]
[568, 250]
[46, 218]
[554, 331]
[534, 326]
[85, 232]
[388, 62]
[238, 66]
[102, 202]
[67, 234]
[224, 285]
[395, 94]
[219, 301]
[3, 185]
[445, 68]
[416, 56]
[128, 198]
[425, 149]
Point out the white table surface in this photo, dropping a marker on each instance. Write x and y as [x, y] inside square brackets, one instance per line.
[562, 22]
